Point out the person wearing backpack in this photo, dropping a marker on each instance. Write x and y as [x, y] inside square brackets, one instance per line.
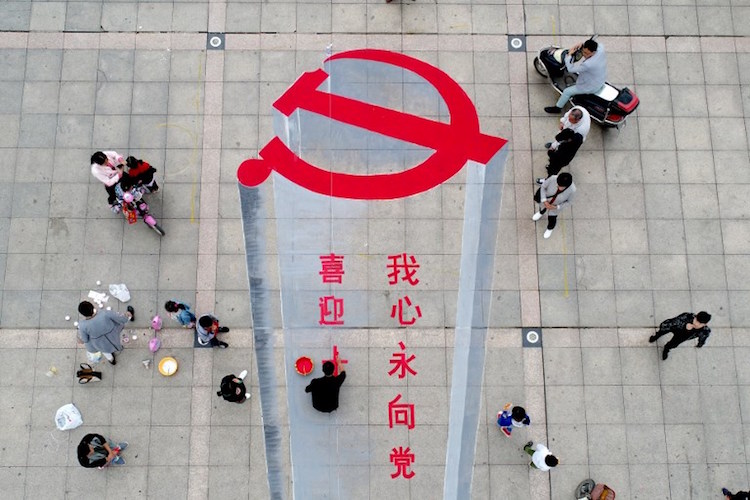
[233, 389]
[95, 450]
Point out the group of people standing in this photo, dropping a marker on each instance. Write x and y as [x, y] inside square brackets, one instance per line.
[557, 190]
[100, 331]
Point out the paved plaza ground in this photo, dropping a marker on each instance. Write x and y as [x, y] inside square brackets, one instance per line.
[660, 226]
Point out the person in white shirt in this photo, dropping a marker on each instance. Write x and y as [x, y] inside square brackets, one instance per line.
[591, 69]
[107, 166]
[541, 458]
[578, 120]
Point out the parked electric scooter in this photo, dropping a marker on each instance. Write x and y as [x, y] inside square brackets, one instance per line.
[133, 205]
[610, 106]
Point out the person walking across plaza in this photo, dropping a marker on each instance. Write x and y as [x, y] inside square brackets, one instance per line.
[180, 312]
[555, 193]
[107, 166]
[100, 330]
[510, 417]
[207, 328]
[325, 390]
[95, 450]
[233, 389]
[591, 69]
[541, 458]
[684, 327]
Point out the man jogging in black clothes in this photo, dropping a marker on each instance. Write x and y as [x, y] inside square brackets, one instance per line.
[325, 390]
[684, 327]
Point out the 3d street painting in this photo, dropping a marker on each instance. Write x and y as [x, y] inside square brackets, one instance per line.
[361, 147]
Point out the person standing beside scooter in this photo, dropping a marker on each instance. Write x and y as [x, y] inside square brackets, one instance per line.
[591, 69]
[107, 166]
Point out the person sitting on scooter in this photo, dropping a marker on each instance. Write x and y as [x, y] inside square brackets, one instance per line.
[591, 69]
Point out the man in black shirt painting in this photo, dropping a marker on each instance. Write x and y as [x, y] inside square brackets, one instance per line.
[325, 390]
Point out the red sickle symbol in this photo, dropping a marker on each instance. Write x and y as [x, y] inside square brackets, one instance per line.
[454, 143]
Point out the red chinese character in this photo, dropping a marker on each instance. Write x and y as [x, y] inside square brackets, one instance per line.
[332, 268]
[407, 264]
[337, 312]
[400, 361]
[402, 459]
[401, 320]
[335, 360]
[400, 413]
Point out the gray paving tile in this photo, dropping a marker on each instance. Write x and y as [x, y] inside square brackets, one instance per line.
[680, 20]
[564, 404]
[718, 444]
[714, 20]
[37, 130]
[647, 444]
[167, 480]
[631, 272]
[228, 481]
[21, 308]
[83, 16]
[74, 131]
[229, 445]
[601, 366]
[170, 445]
[608, 19]
[128, 478]
[651, 479]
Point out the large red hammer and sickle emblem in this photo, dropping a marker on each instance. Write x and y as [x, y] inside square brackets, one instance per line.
[454, 143]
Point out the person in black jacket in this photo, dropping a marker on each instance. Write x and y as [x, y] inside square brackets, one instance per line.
[233, 388]
[562, 151]
[95, 450]
[684, 327]
[325, 390]
[740, 495]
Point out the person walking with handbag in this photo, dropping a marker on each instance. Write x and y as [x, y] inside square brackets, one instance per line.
[100, 330]
[556, 193]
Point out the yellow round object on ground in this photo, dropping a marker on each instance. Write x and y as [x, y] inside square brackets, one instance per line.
[168, 366]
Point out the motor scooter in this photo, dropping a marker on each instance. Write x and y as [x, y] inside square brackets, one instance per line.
[610, 106]
[133, 205]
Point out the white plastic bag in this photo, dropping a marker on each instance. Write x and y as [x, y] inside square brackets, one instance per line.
[68, 417]
[120, 292]
[93, 357]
